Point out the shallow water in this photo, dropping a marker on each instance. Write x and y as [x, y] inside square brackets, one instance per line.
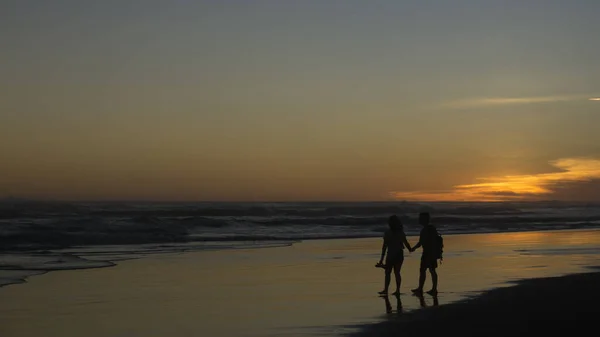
[312, 288]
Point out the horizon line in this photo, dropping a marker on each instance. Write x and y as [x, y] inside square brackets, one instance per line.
[22, 199]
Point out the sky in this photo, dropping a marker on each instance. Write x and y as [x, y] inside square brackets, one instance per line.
[180, 100]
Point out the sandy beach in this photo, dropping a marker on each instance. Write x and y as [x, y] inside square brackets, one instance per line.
[554, 306]
[311, 288]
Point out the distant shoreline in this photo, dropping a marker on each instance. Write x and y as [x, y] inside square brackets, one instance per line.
[9, 199]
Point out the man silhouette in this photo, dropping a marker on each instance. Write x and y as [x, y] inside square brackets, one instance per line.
[428, 258]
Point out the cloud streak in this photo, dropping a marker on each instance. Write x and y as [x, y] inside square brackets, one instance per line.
[514, 187]
[500, 101]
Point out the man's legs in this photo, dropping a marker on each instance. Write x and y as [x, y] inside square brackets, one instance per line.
[434, 280]
[422, 277]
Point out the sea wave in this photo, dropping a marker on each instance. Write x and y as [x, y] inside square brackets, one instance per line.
[31, 225]
[36, 237]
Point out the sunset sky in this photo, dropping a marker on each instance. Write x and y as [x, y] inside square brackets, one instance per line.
[300, 100]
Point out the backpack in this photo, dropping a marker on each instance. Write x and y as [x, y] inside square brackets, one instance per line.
[438, 246]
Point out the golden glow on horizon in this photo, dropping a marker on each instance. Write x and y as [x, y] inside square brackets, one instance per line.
[514, 187]
[595, 99]
[496, 101]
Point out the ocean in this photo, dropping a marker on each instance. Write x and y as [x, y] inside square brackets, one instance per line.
[37, 237]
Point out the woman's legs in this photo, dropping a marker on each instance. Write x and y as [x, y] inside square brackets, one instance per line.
[397, 268]
[388, 276]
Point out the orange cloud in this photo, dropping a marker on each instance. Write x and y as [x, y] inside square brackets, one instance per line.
[496, 101]
[514, 187]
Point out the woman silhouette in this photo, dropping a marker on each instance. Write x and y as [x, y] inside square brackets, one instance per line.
[394, 241]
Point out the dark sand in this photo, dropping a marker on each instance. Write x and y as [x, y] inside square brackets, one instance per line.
[555, 306]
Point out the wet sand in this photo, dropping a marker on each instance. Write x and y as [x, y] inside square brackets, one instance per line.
[557, 306]
[312, 288]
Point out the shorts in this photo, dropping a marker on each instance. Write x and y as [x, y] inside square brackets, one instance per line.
[428, 262]
[394, 259]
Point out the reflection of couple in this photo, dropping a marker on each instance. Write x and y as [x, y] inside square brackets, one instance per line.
[394, 241]
[389, 309]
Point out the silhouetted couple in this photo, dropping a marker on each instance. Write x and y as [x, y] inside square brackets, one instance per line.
[394, 242]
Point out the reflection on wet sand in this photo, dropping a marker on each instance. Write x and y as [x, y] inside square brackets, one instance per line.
[388, 304]
[195, 291]
[424, 304]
